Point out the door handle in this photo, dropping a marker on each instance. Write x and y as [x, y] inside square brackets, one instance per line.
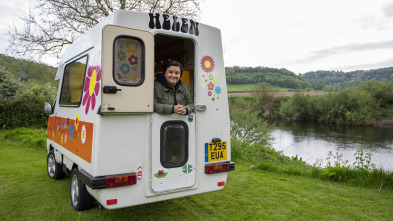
[200, 107]
[110, 89]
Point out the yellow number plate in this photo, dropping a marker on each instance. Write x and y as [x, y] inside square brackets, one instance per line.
[215, 151]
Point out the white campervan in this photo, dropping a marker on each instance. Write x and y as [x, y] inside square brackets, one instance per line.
[102, 128]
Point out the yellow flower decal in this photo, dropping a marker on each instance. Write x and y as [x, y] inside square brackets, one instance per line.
[77, 121]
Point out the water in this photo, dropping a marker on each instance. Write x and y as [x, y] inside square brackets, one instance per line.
[313, 141]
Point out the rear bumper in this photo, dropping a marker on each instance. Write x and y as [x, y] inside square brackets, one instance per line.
[92, 182]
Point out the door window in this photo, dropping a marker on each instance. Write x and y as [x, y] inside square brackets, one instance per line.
[174, 144]
[128, 61]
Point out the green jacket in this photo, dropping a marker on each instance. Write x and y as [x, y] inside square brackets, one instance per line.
[164, 98]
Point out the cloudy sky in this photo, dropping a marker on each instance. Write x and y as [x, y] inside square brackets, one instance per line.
[300, 35]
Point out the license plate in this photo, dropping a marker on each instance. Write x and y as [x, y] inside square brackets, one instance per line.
[215, 151]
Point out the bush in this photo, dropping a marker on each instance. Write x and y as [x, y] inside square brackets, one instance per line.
[347, 106]
[26, 109]
[245, 123]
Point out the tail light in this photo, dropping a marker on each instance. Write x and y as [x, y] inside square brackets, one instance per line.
[219, 167]
[122, 180]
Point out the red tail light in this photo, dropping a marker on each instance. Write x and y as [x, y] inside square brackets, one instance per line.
[111, 202]
[216, 168]
[123, 180]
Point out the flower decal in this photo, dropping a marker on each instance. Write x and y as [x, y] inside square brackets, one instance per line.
[133, 77]
[71, 132]
[210, 77]
[91, 87]
[76, 121]
[124, 68]
[131, 47]
[209, 93]
[210, 86]
[83, 134]
[121, 55]
[207, 64]
[161, 174]
[218, 90]
[133, 60]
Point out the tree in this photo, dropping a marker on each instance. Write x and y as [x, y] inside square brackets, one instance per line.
[53, 24]
[263, 92]
[9, 85]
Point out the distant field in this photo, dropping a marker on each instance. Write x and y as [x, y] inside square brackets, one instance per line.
[235, 88]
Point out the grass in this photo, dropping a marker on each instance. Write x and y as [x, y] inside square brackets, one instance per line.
[26, 193]
[237, 88]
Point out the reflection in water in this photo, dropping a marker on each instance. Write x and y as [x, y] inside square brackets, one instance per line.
[313, 141]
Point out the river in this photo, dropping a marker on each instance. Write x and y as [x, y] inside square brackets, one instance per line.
[312, 141]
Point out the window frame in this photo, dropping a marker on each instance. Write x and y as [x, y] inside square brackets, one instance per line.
[143, 74]
[186, 147]
[83, 82]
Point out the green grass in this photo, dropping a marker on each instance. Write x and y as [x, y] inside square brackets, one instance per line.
[27, 193]
[236, 88]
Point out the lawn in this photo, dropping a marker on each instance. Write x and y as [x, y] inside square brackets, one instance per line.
[26, 193]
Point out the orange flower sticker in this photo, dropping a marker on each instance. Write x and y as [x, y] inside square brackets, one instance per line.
[210, 86]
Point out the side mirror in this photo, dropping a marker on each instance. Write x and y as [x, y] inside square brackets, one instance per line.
[47, 108]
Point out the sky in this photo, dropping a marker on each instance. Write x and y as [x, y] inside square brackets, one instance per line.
[298, 35]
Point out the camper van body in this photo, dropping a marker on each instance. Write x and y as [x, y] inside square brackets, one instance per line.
[103, 124]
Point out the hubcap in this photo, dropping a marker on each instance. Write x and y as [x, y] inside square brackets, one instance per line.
[51, 166]
[74, 190]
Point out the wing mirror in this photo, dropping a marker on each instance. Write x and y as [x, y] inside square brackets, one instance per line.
[47, 108]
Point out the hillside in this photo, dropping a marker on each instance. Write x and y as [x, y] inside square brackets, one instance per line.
[276, 77]
[339, 78]
[28, 71]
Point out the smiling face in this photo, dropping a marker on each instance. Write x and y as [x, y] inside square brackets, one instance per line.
[172, 75]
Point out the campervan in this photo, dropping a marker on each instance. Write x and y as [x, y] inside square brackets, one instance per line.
[102, 128]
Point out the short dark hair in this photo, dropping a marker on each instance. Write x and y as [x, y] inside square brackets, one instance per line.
[172, 63]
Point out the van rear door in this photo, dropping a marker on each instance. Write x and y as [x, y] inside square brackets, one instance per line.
[127, 67]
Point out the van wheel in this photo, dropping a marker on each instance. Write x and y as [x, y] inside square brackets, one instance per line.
[80, 198]
[54, 169]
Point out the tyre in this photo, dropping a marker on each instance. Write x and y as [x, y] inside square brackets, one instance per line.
[80, 198]
[54, 169]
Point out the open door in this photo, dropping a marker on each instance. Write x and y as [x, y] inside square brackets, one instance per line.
[127, 67]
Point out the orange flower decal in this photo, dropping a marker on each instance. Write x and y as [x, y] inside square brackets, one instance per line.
[210, 86]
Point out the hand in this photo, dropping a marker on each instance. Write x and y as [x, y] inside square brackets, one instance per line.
[179, 109]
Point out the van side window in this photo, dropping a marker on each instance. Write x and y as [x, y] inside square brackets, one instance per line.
[128, 61]
[174, 144]
[71, 88]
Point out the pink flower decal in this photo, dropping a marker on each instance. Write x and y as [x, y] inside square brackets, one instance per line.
[133, 60]
[91, 87]
[207, 64]
[209, 93]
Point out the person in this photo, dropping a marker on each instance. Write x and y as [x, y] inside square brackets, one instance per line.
[171, 96]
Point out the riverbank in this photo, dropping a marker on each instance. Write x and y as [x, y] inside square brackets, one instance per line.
[383, 122]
